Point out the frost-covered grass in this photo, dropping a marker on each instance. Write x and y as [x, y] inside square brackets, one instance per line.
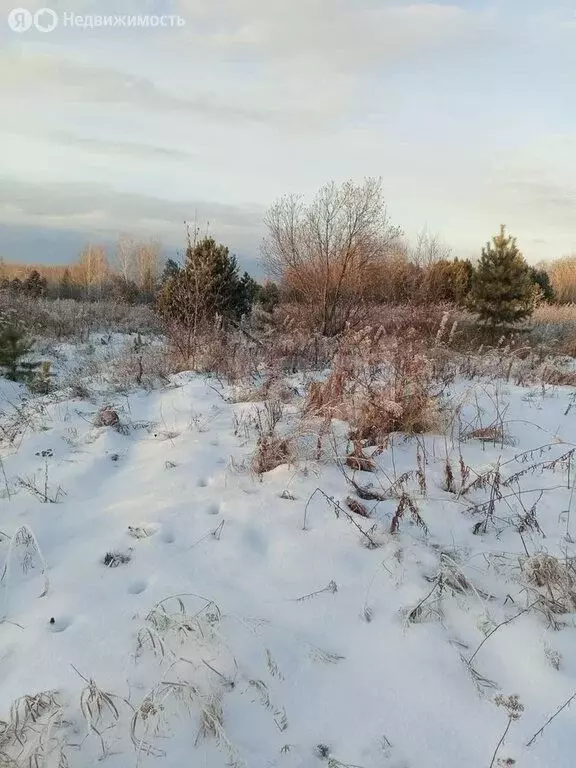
[166, 601]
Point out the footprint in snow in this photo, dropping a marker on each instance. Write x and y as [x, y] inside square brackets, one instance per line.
[137, 587]
[59, 623]
[167, 536]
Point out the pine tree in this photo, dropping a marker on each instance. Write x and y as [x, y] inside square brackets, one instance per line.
[502, 290]
[268, 296]
[65, 289]
[541, 280]
[248, 293]
[13, 347]
[171, 268]
[35, 285]
[208, 285]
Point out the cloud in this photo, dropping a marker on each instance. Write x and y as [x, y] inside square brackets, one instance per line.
[331, 34]
[97, 209]
[56, 77]
[43, 245]
[552, 201]
[107, 147]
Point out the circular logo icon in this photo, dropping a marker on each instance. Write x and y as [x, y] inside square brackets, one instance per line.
[45, 20]
[20, 20]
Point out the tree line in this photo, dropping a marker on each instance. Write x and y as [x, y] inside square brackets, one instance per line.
[337, 254]
[132, 274]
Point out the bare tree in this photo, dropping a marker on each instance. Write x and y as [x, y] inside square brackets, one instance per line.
[429, 249]
[92, 269]
[138, 262]
[147, 265]
[125, 257]
[324, 253]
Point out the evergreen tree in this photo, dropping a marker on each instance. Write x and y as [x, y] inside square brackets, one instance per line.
[171, 268]
[249, 292]
[268, 296]
[502, 291]
[66, 289]
[541, 279]
[208, 285]
[124, 290]
[35, 285]
[13, 347]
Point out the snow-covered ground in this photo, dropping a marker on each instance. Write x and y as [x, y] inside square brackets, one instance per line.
[254, 620]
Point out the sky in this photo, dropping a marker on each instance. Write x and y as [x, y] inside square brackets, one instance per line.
[466, 109]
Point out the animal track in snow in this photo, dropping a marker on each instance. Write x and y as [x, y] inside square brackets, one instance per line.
[137, 587]
[167, 536]
[214, 509]
[59, 624]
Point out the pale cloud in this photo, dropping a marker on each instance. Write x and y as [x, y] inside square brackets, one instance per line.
[336, 34]
[99, 208]
[123, 148]
[51, 77]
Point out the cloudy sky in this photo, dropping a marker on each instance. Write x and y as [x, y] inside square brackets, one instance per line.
[467, 109]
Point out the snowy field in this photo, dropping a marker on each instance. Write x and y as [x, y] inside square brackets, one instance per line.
[163, 604]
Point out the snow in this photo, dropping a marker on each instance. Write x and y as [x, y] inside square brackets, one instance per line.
[303, 637]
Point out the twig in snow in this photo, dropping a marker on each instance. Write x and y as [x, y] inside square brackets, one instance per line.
[331, 587]
[337, 510]
[540, 730]
[215, 533]
[6, 484]
[502, 624]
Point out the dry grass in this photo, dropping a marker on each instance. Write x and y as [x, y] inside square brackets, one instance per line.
[272, 449]
[555, 579]
[358, 460]
[561, 378]
[555, 326]
[32, 735]
[554, 313]
[378, 389]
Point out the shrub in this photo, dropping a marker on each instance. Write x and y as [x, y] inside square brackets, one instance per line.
[272, 449]
[268, 296]
[541, 280]
[35, 285]
[14, 345]
[41, 382]
[449, 281]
